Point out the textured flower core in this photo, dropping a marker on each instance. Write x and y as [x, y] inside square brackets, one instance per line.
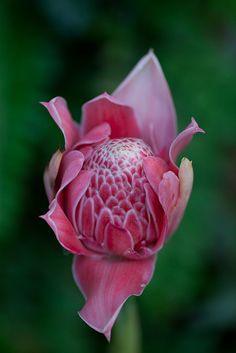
[116, 192]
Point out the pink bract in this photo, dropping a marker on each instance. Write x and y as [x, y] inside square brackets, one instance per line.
[115, 191]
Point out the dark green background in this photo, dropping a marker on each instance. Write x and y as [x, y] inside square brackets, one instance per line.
[79, 49]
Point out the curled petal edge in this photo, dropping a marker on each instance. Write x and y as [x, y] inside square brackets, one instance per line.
[182, 140]
[58, 109]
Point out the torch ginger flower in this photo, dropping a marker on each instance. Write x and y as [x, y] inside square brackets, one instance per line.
[115, 192]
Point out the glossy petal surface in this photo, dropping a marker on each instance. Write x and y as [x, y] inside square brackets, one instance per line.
[98, 134]
[147, 92]
[105, 108]
[59, 111]
[106, 283]
[154, 169]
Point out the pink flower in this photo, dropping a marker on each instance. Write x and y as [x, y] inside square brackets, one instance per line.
[115, 192]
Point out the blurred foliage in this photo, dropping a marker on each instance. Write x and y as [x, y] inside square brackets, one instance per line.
[79, 49]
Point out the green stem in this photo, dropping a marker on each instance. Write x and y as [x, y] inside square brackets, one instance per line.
[127, 332]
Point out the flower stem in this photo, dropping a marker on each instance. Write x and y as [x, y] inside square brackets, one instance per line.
[127, 332]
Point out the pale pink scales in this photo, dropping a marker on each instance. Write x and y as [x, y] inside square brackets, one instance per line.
[116, 193]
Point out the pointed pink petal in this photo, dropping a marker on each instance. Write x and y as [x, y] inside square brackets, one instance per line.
[50, 174]
[105, 108]
[147, 92]
[154, 168]
[185, 187]
[182, 140]
[97, 135]
[118, 241]
[63, 229]
[58, 110]
[106, 283]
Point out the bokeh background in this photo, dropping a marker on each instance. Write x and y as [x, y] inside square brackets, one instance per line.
[79, 49]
